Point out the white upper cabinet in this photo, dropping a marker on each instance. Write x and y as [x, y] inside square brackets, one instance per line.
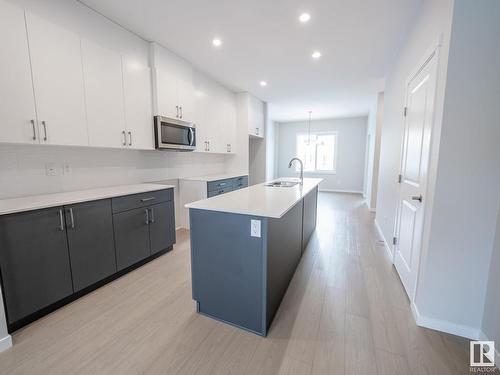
[255, 117]
[102, 72]
[173, 91]
[138, 104]
[58, 83]
[17, 104]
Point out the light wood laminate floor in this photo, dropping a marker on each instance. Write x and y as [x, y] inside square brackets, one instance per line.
[345, 312]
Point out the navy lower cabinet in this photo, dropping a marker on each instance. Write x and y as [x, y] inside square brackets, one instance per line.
[52, 256]
[91, 242]
[34, 261]
[131, 236]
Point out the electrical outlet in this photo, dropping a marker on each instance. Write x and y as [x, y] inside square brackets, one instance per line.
[50, 169]
[255, 228]
[67, 168]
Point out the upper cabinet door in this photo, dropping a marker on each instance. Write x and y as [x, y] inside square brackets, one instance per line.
[58, 83]
[17, 109]
[104, 96]
[138, 104]
[166, 93]
[185, 90]
[255, 117]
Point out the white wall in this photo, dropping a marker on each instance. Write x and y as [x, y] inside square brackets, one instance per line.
[433, 21]
[271, 150]
[351, 150]
[466, 197]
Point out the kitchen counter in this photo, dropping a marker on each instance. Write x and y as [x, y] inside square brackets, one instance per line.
[36, 202]
[259, 200]
[214, 177]
[245, 247]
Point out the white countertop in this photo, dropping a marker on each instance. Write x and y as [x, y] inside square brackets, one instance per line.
[214, 177]
[259, 200]
[35, 202]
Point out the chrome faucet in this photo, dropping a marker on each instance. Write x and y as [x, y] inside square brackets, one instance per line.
[301, 169]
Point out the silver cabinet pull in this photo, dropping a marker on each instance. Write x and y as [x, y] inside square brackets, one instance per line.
[417, 198]
[72, 218]
[61, 221]
[130, 138]
[152, 219]
[148, 199]
[257, 131]
[34, 129]
[228, 147]
[180, 112]
[124, 138]
[44, 124]
[208, 145]
[147, 216]
[177, 110]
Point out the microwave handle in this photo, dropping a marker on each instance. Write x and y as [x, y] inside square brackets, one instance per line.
[191, 136]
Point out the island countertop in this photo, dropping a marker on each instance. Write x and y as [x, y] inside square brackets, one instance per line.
[259, 200]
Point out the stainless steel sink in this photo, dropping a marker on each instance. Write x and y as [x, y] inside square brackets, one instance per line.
[282, 184]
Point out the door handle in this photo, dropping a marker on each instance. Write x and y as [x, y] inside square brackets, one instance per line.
[34, 129]
[417, 198]
[72, 218]
[130, 138]
[124, 138]
[148, 199]
[181, 111]
[44, 130]
[177, 110]
[152, 212]
[147, 216]
[61, 221]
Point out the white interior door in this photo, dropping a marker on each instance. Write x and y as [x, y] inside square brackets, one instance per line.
[138, 111]
[414, 164]
[102, 70]
[17, 108]
[58, 82]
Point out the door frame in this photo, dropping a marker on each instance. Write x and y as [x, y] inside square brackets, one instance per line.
[432, 52]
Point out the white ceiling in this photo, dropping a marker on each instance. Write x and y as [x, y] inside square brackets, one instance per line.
[263, 40]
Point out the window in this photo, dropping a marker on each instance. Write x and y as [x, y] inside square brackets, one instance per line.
[318, 152]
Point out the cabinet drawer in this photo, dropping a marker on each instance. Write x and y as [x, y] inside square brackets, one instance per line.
[129, 202]
[213, 193]
[220, 184]
[240, 182]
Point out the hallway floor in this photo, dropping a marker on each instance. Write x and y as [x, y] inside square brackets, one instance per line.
[345, 312]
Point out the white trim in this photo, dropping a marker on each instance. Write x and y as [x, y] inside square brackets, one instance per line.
[341, 191]
[468, 332]
[386, 245]
[372, 209]
[5, 343]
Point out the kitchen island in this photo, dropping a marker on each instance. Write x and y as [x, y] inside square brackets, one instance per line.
[245, 247]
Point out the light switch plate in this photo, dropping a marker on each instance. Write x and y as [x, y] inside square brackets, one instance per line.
[255, 228]
[50, 169]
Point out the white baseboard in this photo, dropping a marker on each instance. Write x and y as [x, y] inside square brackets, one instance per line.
[468, 332]
[341, 191]
[386, 244]
[5, 343]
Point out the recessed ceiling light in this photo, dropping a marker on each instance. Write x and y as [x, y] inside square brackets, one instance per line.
[217, 42]
[316, 55]
[263, 83]
[304, 17]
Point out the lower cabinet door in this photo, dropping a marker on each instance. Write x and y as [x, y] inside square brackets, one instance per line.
[131, 236]
[91, 243]
[34, 261]
[162, 226]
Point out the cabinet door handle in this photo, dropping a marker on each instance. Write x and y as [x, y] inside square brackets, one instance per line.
[124, 138]
[34, 129]
[152, 219]
[177, 110]
[208, 146]
[61, 221]
[417, 198]
[257, 131]
[148, 199]
[72, 218]
[147, 216]
[130, 138]
[181, 111]
[44, 124]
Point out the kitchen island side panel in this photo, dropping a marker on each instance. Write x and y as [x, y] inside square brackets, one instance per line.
[284, 250]
[228, 268]
[309, 216]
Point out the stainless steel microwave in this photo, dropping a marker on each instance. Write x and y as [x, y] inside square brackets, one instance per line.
[174, 134]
